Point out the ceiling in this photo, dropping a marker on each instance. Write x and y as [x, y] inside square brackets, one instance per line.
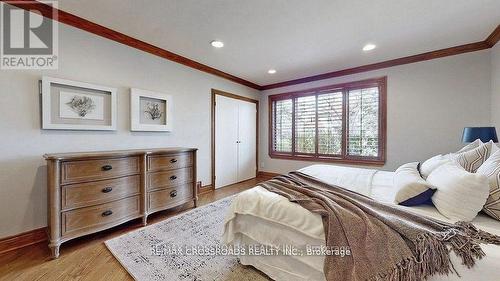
[297, 38]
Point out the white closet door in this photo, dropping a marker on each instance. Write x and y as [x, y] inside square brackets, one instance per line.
[226, 135]
[247, 147]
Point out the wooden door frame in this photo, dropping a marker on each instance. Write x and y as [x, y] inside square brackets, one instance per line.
[216, 92]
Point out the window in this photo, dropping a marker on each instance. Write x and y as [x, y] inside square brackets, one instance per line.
[338, 123]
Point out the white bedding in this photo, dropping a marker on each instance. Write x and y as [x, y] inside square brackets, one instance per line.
[260, 217]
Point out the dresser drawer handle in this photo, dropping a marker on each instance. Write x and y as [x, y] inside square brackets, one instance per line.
[173, 193]
[173, 178]
[107, 167]
[107, 213]
[107, 189]
[173, 160]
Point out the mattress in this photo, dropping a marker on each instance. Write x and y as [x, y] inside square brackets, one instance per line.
[260, 217]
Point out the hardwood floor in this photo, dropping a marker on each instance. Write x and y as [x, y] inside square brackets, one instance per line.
[87, 258]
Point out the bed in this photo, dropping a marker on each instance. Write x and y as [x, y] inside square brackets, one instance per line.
[260, 217]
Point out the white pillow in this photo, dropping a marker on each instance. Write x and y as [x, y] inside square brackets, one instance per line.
[491, 169]
[432, 163]
[460, 195]
[494, 148]
[471, 160]
[470, 146]
[412, 189]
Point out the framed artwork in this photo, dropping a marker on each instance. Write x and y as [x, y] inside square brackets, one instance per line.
[150, 111]
[72, 105]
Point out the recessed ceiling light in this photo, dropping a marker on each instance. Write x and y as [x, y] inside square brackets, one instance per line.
[217, 44]
[271, 71]
[369, 47]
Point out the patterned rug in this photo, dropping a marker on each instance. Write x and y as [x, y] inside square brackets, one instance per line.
[157, 252]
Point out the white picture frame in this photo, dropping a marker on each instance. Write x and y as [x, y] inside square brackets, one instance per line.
[53, 117]
[141, 119]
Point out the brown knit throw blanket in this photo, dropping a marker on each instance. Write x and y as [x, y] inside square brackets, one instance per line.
[386, 241]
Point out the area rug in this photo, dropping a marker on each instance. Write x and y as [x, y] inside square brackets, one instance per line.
[157, 252]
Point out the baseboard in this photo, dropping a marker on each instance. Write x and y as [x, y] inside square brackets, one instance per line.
[205, 189]
[266, 174]
[22, 240]
[210, 188]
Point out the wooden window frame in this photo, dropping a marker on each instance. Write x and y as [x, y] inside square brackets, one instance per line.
[380, 82]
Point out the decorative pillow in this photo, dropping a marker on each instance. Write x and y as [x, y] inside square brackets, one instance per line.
[491, 169]
[412, 188]
[494, 148]
[471, 146]
[432, 163]
[471, 160]
[460, 195]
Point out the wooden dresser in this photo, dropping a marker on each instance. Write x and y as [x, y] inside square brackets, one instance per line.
[93, 191]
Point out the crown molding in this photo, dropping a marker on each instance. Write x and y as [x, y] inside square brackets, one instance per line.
[467, 48]
[494, 37]
[86, 25]
[487, 43]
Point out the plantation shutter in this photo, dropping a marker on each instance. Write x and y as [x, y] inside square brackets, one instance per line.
[343, 123]
[363, 122]
[305, 124]
[282, 125]
[330, 111]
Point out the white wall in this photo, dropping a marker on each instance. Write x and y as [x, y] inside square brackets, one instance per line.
[89, 58]
[428, 105]
[495, 86]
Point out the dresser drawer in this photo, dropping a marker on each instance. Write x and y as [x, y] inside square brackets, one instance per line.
[171, 178]
[169, 162]
[170, 197]
[100, 216]
[77, 171]
[93, 193]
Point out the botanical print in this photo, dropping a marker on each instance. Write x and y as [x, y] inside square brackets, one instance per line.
[81, 106]
[150, 111]
[153, 110]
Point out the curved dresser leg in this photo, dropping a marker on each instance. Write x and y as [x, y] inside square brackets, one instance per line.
[145, 220]
[54, 249]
